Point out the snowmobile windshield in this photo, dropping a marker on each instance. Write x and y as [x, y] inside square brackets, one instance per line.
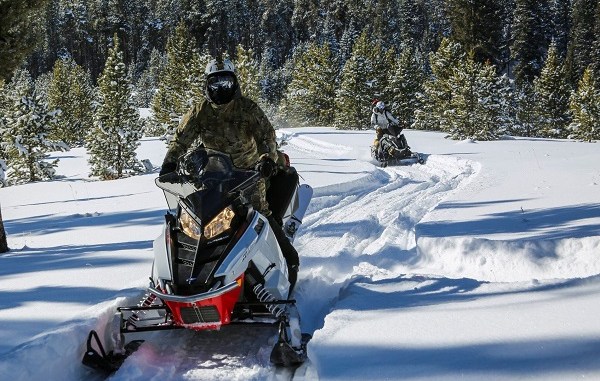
[205, 174]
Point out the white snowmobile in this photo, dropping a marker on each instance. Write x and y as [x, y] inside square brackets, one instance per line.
[217, 261]
[390, 148]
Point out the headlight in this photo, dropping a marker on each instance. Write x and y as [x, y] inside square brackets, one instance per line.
[219, 224]
[189, 226]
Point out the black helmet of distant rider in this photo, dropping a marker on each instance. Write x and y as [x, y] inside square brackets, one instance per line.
[221, 84]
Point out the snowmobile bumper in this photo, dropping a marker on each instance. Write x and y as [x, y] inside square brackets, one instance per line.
[204, 311]
[195, 298]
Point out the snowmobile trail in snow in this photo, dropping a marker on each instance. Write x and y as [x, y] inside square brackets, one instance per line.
[368, 228]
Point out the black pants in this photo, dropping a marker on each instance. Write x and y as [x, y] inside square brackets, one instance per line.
[289, 251]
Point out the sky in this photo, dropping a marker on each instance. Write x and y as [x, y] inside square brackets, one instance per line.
[481, 263]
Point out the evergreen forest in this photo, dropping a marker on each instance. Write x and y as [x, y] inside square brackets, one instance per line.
[77, 72]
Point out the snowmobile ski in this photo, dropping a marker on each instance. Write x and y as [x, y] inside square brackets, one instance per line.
[414, 158]
[106, 362]
[283, 354]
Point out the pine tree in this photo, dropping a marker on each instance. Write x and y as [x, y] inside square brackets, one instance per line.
[117, 128]
[404, 87]
[147, 84]
[386, 23]
[530, 39]
[4, 103]
[359, 85]
[476, 107]
[310, 96]
[437, 93]
[305, 19]
[20, 32]
[71, 92]
[413, 24]
[579, 54]
[525, 98]
[25, 134]
[585, 108]
[3, 168]
[275, 32]
[349, 36]
[247, 73]
[181, 83]
[560, 25]
[595, 50]
[478, 26]
[552, 93]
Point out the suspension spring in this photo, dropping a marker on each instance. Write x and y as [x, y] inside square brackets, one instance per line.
[266, 297]
[147, 301]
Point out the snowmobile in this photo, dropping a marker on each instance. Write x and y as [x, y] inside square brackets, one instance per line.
[217, 261]
[390, 149]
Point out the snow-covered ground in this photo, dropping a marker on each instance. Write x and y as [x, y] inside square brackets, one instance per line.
[481, 264]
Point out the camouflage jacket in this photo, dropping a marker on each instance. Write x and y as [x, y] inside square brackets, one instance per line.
[239, 128]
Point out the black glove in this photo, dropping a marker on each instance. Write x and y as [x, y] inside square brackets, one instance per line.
[167, 168]
[266, 167]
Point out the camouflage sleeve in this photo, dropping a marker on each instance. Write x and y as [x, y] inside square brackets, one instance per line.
[185, 135]
[264, 133]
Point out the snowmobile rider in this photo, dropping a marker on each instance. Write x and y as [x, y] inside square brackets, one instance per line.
[229, 122]
[383, 118]
[384, 123]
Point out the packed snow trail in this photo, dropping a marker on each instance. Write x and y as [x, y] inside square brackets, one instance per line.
[368, 227]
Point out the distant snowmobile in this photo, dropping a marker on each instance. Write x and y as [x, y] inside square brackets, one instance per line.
[217, 261]
[393, 150]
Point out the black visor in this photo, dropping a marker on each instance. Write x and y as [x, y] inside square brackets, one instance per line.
[221, 82]
[221, 87]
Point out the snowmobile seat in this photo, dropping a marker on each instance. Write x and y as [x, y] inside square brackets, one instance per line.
[280, 191]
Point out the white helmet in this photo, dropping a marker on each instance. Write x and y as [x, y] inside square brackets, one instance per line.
[221, 82]
[380, 105]
[216, 66]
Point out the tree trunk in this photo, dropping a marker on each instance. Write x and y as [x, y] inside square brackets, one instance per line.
[3, 243]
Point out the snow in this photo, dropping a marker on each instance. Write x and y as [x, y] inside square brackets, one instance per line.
[480, 264]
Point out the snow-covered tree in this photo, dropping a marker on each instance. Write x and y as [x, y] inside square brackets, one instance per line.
[552, 92]
[71, 92]
[579, 54]
[479, 98]
[147, 85]
[404, 87]
[25, 134]
[181, 83]
[560, 25]
[585, 108]
[4, 102]
[529, 39]
[117, 129]
[525, 99]
[478, 26]
[310, 96]
[359, 85]
[246, 69]
[20, 30]
[3, 110]
[437, 92]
